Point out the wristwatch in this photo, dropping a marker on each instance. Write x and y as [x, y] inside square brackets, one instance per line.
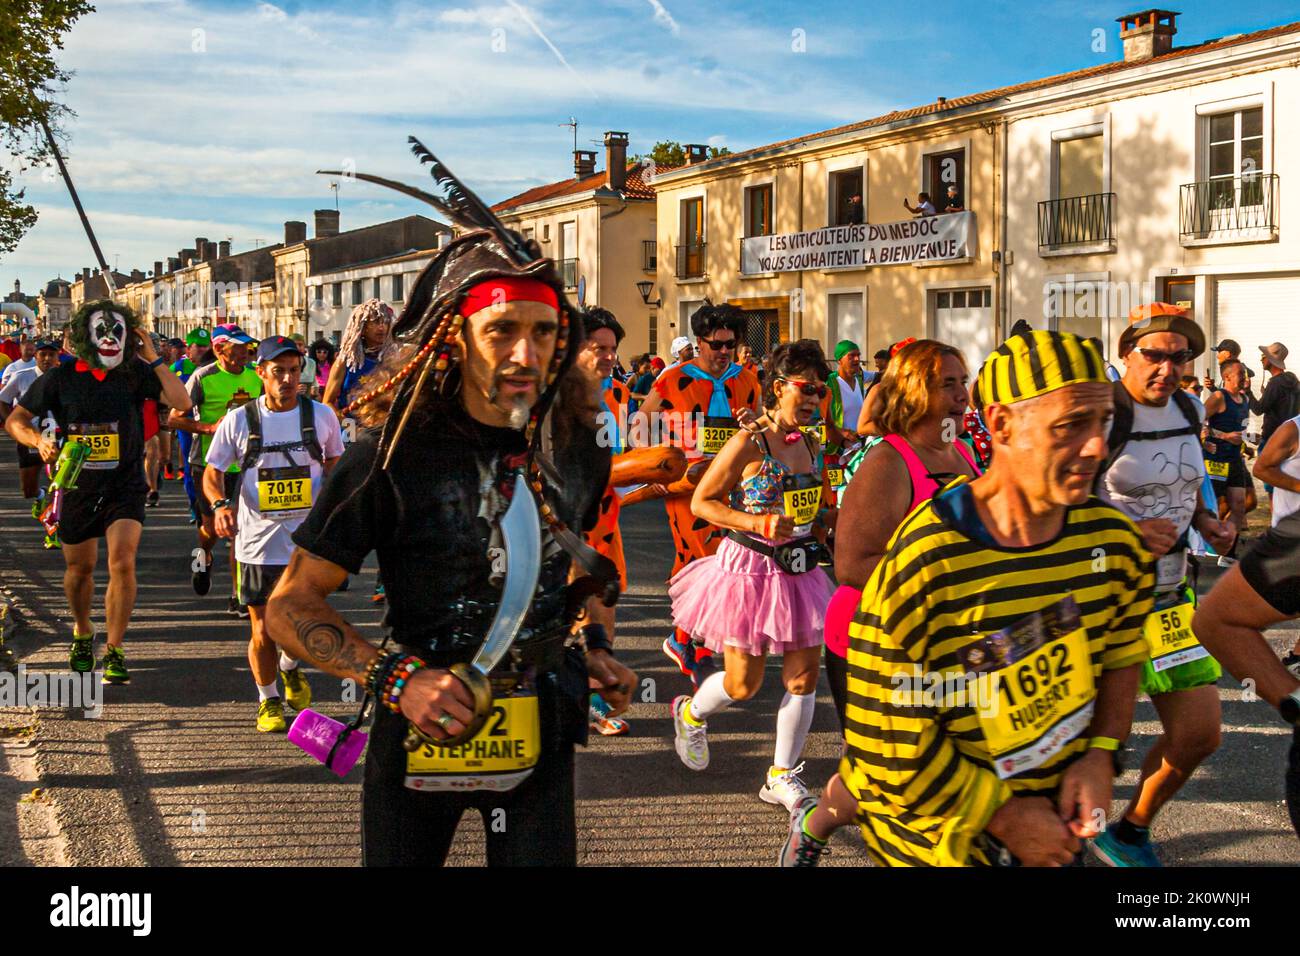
[1289, 708]
[220, 503]
[1112, 745]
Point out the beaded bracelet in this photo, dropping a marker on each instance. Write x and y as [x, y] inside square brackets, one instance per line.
[396, 682]
[378, 671]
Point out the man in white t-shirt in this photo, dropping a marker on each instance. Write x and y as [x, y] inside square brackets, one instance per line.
[284, 446]
[1155, 474]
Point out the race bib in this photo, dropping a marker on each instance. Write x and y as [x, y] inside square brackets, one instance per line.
[716, 432]
[1169, 638]
[103, 441]
[802, 497]
[284, 492]
[1216, 469]
[1034, 687]
[499, 757]
[835, 475]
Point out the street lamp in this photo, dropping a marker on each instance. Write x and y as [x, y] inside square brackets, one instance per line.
[645, 288]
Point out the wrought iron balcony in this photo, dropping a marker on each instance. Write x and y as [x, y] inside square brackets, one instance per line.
[569, 270]
[690, 261]
[1238, 206]
[1075, 221]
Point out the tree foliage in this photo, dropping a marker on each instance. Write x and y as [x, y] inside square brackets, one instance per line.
[29, 74]
[669, 153]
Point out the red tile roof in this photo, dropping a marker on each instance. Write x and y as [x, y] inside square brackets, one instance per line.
[990, 95]
[637, 188]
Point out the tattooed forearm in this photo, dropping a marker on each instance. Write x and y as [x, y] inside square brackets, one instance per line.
[321, 640]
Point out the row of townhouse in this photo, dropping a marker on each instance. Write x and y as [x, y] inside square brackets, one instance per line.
[302, 285]
[1161, 174]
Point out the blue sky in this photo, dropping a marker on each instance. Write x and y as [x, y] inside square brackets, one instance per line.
[208, 118]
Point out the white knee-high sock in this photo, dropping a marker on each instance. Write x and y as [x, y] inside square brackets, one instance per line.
[711, 697]
[792, 723]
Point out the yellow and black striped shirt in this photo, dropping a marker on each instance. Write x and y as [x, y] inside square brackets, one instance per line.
[927, 756]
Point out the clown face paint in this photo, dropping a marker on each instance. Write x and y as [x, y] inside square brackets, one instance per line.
[108, 336]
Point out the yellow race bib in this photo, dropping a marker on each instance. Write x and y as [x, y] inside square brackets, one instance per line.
[282, 491]
[1169, 638]
[835, 476]
[802, 497]
[1216, 469]
[499, 757]
[1034, 687]
[716, 432]
[818, 431]
[102, 440]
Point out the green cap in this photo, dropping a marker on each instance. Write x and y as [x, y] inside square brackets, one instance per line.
[198, 337]
[844, 348]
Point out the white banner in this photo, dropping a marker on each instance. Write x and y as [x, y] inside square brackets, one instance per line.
[926, 238]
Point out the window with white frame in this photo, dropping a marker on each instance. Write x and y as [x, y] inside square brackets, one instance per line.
[1234, 148]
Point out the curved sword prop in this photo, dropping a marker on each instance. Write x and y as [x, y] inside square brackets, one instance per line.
[522, 534]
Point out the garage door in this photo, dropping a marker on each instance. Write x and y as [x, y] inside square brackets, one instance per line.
[964, 318]
[1255, 311]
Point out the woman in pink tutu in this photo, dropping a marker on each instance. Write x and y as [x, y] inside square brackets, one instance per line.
[763, 592]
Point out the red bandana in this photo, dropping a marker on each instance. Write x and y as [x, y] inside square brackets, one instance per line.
[499, 291]
[99, 373]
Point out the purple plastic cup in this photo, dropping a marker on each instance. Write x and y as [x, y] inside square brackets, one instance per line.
[317, 734]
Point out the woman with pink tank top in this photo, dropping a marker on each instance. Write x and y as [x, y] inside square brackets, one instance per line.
[926, 395]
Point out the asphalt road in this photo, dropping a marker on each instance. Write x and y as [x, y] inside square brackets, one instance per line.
[173, 772]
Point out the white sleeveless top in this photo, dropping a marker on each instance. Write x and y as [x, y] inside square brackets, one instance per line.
[1287, 502]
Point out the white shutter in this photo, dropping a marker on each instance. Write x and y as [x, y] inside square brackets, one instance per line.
[1253, 312]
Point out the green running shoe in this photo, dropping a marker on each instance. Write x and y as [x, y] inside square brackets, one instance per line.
[297, 692]
[82, 657]
[270, 717]
[114, 666]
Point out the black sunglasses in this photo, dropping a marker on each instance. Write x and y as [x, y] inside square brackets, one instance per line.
[719, 346]
[1157, 357]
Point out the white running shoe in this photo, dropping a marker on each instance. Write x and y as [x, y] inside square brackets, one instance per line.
[785, 789]
[692, 742]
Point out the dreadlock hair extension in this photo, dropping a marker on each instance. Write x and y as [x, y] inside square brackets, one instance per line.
[352, 349]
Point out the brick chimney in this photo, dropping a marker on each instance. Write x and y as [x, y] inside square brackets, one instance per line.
[85, 276]
[695, 153]
[616, 160]
[327, 223]
[294, 232]
[1147, 34]
[209, 251]
[157, 268]
[584, 163]
[223, 249]
[137, 275]
[200, 250]
[188, 257]
[173, 263]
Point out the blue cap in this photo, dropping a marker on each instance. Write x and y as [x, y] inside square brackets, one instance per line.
[274, 346]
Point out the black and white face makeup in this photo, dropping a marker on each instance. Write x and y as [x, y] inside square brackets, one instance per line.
[108, 336]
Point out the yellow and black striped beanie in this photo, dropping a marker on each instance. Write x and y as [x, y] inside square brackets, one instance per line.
[1035, 363]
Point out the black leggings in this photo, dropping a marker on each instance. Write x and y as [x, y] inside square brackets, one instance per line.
[403, 827]
[837, 675]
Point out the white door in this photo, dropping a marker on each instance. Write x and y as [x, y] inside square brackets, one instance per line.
[1254, 311]
[964, 318]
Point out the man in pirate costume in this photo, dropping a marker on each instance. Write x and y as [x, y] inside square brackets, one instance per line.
[482, 412]
[709, 389]
[97, 400]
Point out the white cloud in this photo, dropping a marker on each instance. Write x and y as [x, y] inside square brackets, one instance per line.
[664, 18]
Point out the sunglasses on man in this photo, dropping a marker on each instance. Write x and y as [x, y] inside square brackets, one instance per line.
[717, 346]
[1158, 357]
